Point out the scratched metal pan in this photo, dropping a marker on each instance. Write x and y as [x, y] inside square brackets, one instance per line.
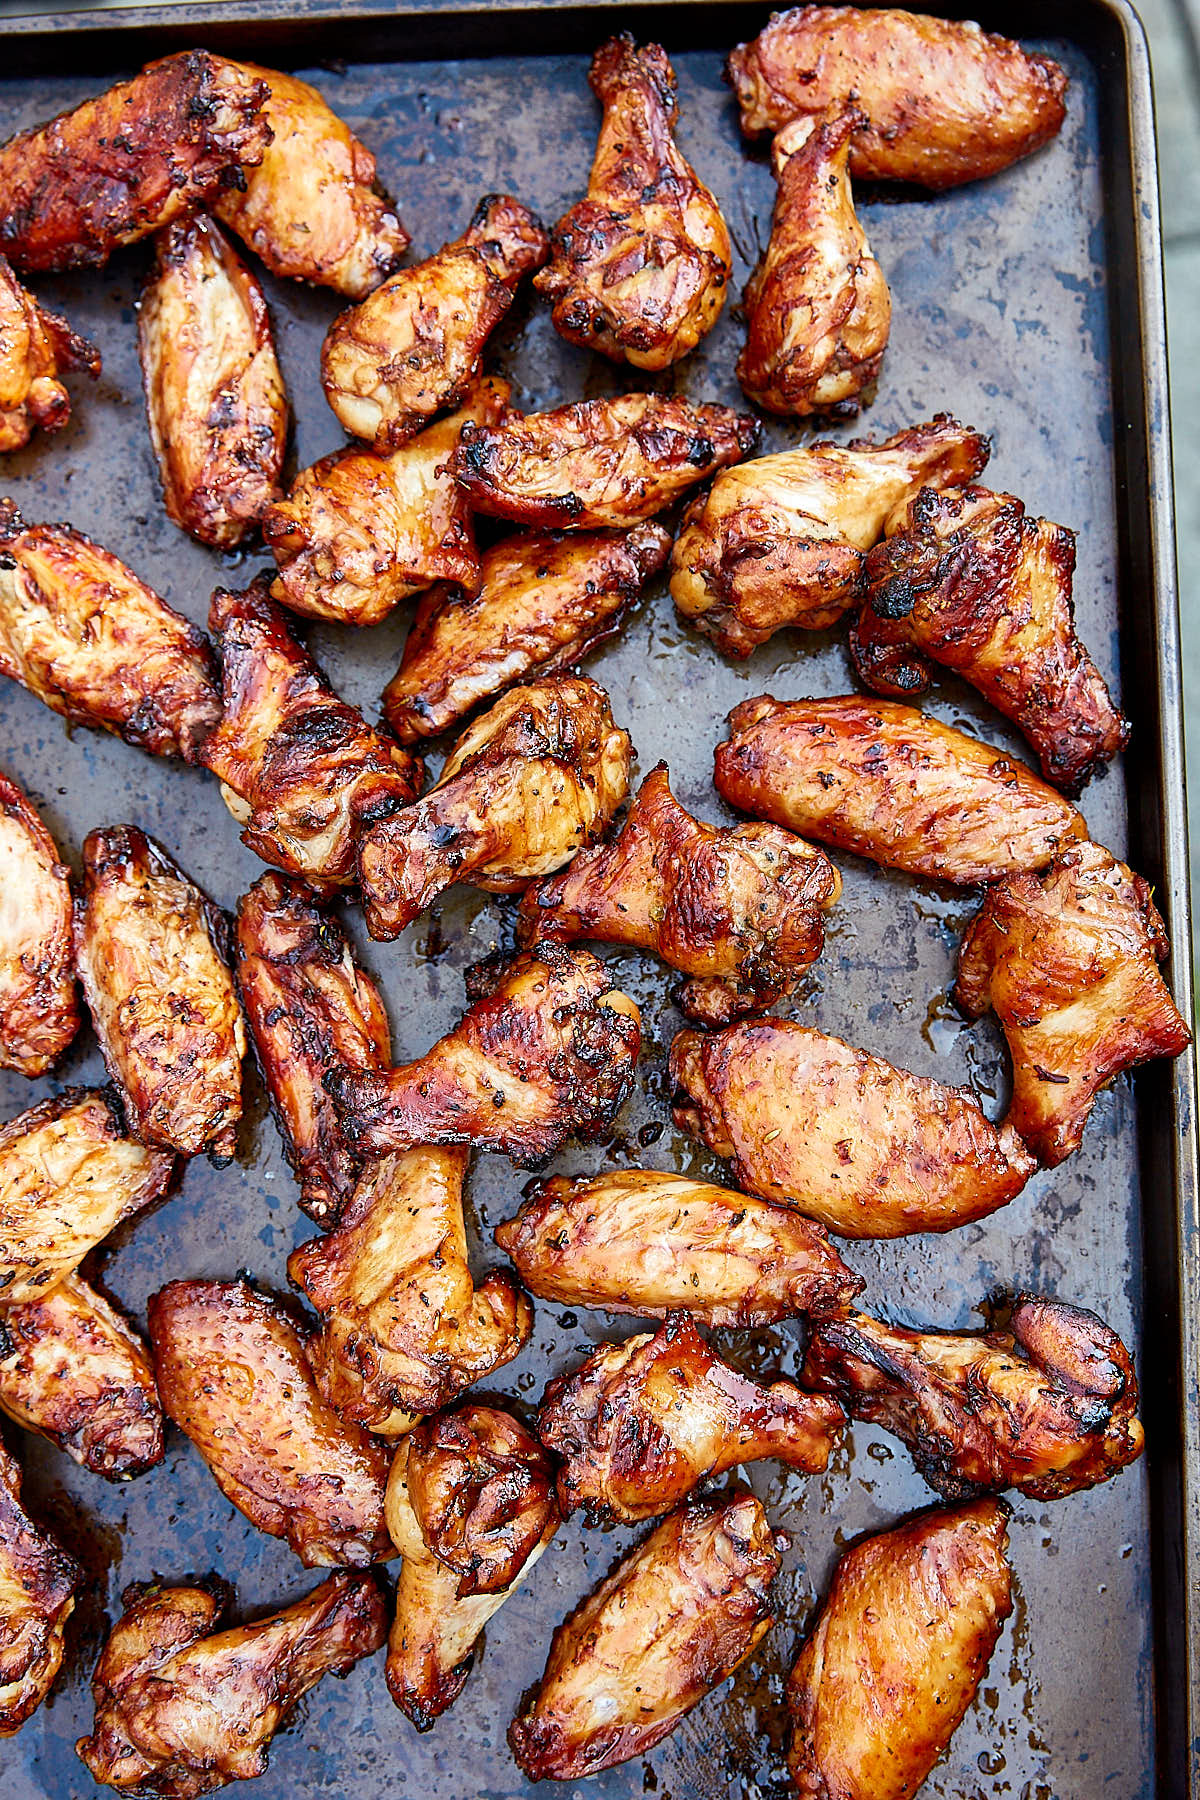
[1031, 307]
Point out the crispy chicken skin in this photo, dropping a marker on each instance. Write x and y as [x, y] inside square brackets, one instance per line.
[671, 1623]
[944, 101]
[38, 1582]
[39, 1013]
[897, 1653]
[79, 630]
[638, 269]
[781, 540]
[151, 951]
[412, 349]
[470, 1507]
[547, 1051]
[233, 1375]
[36, 346]
[1068, 961]
[648, 1243]
[1048, 1406]
[890, 783]
[183, 1708]
[737, 910]
[545, 600]
[640, 1424]
[537, 778]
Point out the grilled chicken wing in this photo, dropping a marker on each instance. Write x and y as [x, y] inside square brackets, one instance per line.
[537, 778]
[639, 268]
[35, 347]
[1069, 963]
[781, 541]
[545, 599]
[39, 1013]
[233, 1375]
[546, 1052]
[38, 1583]
[412, 349]
[183, 1708]
[151, 952]
[670, 1624]
[651, 1244]
[899, 1649]
[737, 910]
[470, 1506]
[944, 101]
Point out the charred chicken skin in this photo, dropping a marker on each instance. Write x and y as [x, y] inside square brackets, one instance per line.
[39, 1013]
[1068, 961]
[38, 1583]
[36, 346]
[639, 269]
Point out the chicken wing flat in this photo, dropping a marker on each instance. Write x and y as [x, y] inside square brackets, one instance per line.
[537, 778]
[890, 783]
[545, 600]
[234, 1377]
[781, 541]
[898, 1652]
[944, 101]
[39, 1013]
[152, 957]
[1048, 1406]
[74, 1370]
[868, 1150]
[412, 349]
[1069, 963]
[79, 630]
[669, 1625]
[547, 1051]
[38, 1583]
[36, 346]
[737, 910]
[650, 1243]
[639, 269]
[298, 766]
[470, 1506]
[183, 1708]
[137, 157]
[640, 1424]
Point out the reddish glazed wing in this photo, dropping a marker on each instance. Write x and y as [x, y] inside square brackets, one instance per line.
[36, 346]
[39, 1011]
[38, 1584]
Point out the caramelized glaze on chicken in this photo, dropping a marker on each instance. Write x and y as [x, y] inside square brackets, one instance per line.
[39, 1013]
[36, 347]
[38, 1583]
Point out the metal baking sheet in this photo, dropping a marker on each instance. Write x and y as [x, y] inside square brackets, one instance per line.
[1030, 306]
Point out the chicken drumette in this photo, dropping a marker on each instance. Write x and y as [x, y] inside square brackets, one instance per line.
[38, 1584]
[39, 1013]
[35, 347]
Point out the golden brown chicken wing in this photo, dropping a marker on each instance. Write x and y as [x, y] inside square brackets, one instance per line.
[1069, 963]
[39, 1013]
[899, 1649]
[537, 778]
[183, 1708]
[38, 1583]
[649, 1243]
[670, 1624]
[781, 541]
[545, 600]
[944, 101]
[233, 1375]
[35, 347]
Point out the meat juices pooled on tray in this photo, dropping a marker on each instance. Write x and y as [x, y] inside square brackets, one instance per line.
[38, 1584]
[36, 347]
[39, 1011]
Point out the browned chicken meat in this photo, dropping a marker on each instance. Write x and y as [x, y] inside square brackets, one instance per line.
[1048, 1406]
[1069, 963]
[142, 154]
[640, 1424]
[39, 1013]
[545, 600]
[537, 778]
[36, 346]
[890, 783]
[897, 1653]
[233, 1375]
[38, 1583]
[547, 1051]
[152, 952]
[671, 1623]
[944, 102]
[79, 630]
[411, 350]
[214, 396]
[648, 1243]
[470, 1506]
[639, 269]
[739, 910]
[781, 541]
[183, 1708]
